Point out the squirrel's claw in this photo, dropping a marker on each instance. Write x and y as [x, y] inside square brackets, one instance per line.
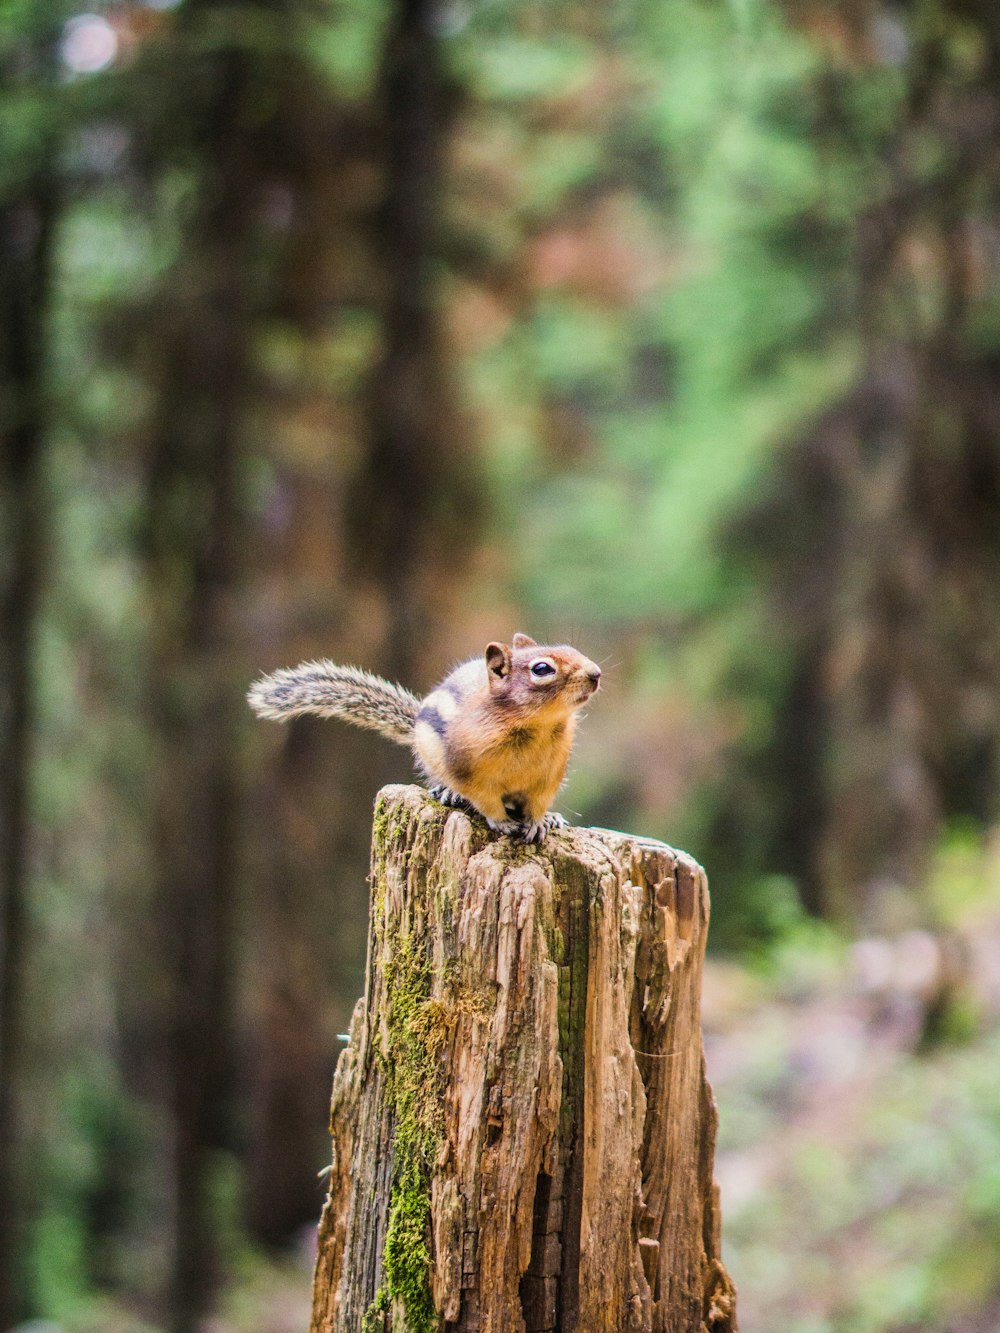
[535, 832]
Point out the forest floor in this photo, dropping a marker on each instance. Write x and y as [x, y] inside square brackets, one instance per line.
[859, 1142]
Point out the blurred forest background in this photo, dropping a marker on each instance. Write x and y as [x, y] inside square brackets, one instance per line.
[377, 329]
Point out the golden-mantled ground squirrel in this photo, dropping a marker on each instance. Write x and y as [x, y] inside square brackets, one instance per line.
[494, 735]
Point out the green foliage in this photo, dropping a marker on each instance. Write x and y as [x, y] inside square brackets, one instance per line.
[734, 333]
[515, 69]
[346, 46]
[962, 881]
[96, 1189]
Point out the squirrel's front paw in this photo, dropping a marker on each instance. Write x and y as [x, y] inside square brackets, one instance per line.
[448, 797]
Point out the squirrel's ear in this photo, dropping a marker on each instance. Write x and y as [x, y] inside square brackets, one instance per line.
[497, 662]
[523, 641]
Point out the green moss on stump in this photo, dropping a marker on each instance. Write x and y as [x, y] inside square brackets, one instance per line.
[417, 1025]
[406, 1256]
[373, 1319]
[417, 1028]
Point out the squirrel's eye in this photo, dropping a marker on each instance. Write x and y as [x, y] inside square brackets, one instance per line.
[542, 669]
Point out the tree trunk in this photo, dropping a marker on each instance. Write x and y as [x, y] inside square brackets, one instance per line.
[416, 503]
[194, 551]
[523, 1131]
[28, 210]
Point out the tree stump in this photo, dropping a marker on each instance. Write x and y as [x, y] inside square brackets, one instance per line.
[523, 1133]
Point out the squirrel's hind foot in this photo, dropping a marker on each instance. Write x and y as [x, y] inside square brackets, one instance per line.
[513, 828]
[530, 831]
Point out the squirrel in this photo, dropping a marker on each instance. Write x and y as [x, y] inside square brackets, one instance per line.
[494, 736]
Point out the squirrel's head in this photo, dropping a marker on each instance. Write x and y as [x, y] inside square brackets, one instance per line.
[537, 678]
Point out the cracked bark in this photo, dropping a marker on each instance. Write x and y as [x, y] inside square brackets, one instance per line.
[569, 1184]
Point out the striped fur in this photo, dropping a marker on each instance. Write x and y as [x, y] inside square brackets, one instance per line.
[337, 691]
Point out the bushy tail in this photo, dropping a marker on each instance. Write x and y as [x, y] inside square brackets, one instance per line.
[337, 691]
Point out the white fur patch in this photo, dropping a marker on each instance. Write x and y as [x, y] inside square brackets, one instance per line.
[429, 748]
[444, 704]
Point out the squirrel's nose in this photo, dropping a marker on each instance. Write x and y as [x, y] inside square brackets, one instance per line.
[594, 676]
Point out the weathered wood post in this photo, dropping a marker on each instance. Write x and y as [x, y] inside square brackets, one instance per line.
[523, 1134]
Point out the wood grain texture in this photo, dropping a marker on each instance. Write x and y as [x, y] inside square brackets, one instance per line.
[523, 1132]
